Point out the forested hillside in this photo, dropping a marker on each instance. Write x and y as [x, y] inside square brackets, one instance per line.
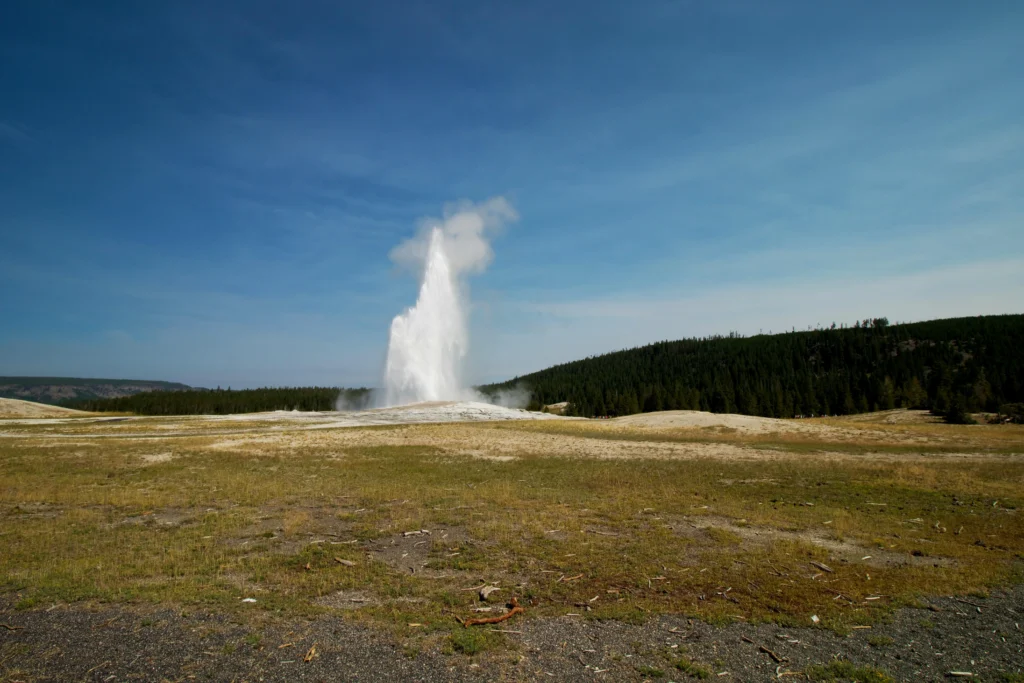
[948, 365]
[225, 401]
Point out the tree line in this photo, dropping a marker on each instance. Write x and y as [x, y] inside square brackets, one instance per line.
[952, 367]
[225, 401]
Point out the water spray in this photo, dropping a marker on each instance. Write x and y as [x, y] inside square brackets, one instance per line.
[428, 343]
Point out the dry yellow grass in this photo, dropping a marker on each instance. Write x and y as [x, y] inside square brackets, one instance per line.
[605, 519]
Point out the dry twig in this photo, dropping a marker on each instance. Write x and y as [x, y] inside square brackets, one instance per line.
[516, 609]
[778, 659]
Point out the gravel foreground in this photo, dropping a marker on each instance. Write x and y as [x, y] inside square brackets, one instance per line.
[977, 636]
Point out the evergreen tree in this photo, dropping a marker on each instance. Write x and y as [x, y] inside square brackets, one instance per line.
[872, 364]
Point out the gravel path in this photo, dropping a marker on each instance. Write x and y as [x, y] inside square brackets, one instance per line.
[980, 636]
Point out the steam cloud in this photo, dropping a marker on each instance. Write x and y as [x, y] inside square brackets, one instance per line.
[428, 342]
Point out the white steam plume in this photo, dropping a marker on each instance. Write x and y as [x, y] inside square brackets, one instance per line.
[428, 342]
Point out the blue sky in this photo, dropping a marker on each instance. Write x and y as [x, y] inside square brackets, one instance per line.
[207, 192]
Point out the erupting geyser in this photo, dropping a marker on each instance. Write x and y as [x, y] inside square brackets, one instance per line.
[429, 341]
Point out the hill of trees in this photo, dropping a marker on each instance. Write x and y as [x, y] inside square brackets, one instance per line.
[225, 401]
[951, 366]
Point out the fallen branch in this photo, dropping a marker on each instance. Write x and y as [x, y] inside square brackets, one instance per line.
[779, 673]
[778, 659]
[516, 609]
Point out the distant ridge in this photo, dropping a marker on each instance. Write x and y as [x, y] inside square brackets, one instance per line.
[58, 390]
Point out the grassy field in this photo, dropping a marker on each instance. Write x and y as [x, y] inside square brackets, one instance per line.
[844, 521]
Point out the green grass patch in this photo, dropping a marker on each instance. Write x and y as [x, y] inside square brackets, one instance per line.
[650, 671]
[692, 669]
[843, 671]
[471, 641]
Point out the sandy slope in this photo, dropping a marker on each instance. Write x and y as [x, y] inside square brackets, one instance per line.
[12, 407]
[692, 418]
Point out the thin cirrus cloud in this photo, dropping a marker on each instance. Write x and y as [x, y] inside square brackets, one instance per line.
[557, 331]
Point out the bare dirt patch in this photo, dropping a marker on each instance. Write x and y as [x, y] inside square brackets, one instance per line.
[163, 518]
[842, 551]
[157, 458]
[347, 600]
[412, 551]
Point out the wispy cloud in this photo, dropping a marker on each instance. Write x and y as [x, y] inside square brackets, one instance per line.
[545, 332]
[13, 133]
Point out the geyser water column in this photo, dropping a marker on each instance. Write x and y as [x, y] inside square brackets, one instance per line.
[428, 342]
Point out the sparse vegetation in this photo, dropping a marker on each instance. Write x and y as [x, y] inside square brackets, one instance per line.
[843, 671]
[207, 515]
[470, 641]
[650, 671]
[692, 669]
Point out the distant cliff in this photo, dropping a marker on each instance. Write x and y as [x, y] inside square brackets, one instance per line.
[58, 390]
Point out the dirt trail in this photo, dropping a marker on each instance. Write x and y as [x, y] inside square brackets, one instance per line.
[979, 636]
